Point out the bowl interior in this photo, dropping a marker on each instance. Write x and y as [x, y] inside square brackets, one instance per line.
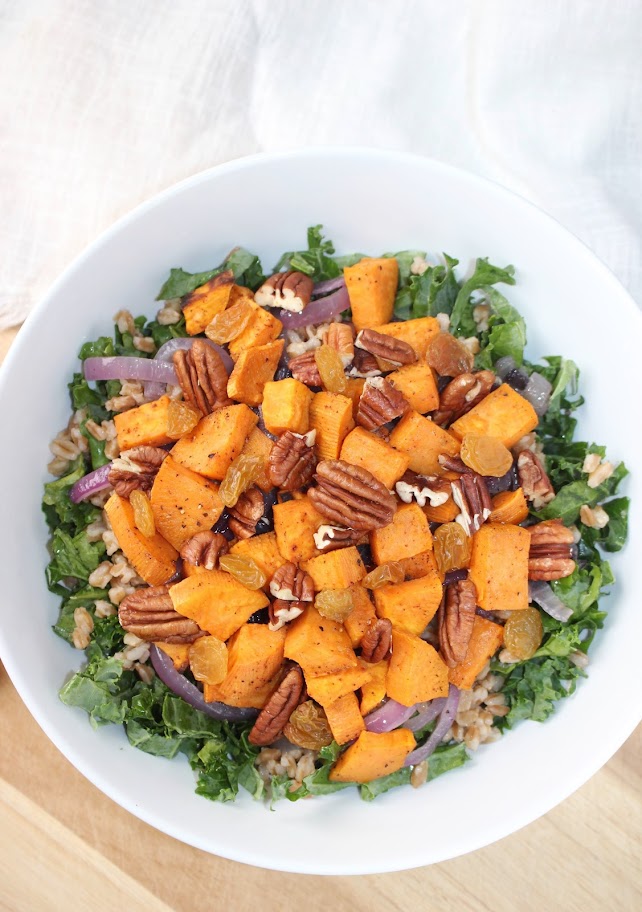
[372, 202]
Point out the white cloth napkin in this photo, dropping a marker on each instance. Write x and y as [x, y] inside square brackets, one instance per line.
[104, 104]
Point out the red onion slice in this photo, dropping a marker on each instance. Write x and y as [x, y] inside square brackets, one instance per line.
[125, 368]
[427, 715]
[445, 721]
[538, 392]
[90, 484]
[327, 286]
[540, 592]
[504, 365]
[319, 311]
[388, 717]
[178, 683]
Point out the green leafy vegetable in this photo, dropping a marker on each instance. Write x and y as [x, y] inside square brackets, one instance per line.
[245, 266]
[434, 291]
[485, 274]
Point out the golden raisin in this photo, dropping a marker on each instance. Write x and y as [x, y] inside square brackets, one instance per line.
[330, 367]
[241, 475]
[208, 660]
[391, 572]
[334, 604]
[485, 455]
[143, 515]
[308, 727]
[230, 323]
[243, 569]
[181, 418]
[523, 633]
[451, 547]
[448, 356]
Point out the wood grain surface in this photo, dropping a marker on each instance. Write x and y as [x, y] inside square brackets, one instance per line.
[64, 846]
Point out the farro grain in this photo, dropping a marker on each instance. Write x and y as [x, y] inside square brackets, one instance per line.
[419, 774]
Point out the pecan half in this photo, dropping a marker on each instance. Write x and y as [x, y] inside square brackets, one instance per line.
[377, 641]
[364, 365]
[149, 614]
[136, 468]
[340, 337]
[379, 403]
[551, 553]
[351, 497]
[423, 489]
[246, 513]
[304, 368]
[291, 462]
[204, 549]
[202, 376]
[278, 709]
[386, 347]
[455, 620]
[289, 290]
[461, 394]
[292, 584]
[330, 538]
[471, 496]
[282, 611]
[533, 479]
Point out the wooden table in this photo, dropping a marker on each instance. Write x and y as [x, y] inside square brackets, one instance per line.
[64, 846]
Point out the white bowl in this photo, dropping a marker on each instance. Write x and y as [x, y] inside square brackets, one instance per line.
[369, 201]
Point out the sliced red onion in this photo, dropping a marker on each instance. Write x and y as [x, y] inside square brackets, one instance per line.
[427, 715]
[166, 353]
[327, 286]
[178, 683]
[125, 368]
[388, 717]
[319, 311]
[542, 593]
[538, 392]
[445, 721]
[504, 366]
[90, 484]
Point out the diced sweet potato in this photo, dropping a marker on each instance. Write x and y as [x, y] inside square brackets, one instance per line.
[374, 690]
[419, 565]
[254, 656]
[484, 642]
[259, 444]
[372, 286]
[373, 756]
[509, 507]
[153, 558]
[362, 615]
[499, 566]
[263, 550]
[286, 406]
[320, 646]
[408, 534]
[262, 328]
[145, 425]
[503, 414]
[410, 605]
[216, 441]
[361, 448]
[178, 653]
[353, 390]
[331, 416]
[253, 369]
[183, 502]
[204, 303]
[423, 441]
[417, 333]
[416, 671]
[295, 523]
[344, 718]
[216, 601]
[336, 570]
[417, 383]
[255, 699]
[328, 688]
[445, 512]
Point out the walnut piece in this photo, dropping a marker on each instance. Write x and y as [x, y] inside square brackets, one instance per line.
[380, 403]
[202, 376]
[278, 709]
[282, 611]
[351, 497]
[340, 337]
[136, 468]
[289, 290]
[246, 513]
[291, 462]
[289, 583]
[377, 641]
[471, 496]
[204, 549]
[533, 479]
[455, 620]
[304, 368]
[461, 394]
[386, 347]
[149, 614]
[423, 489]
[330, 538]
[550, 556]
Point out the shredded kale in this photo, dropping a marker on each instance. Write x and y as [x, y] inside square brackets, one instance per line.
[245, 266]
[318, 261]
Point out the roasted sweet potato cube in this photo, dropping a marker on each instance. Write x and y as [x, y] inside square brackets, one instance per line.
[353, 390]
[204, 303]
[262, 328]
[503, 414]
[178, 653]
[328, 688]
[499, 566]
[259, 444]
[419, 565]
[416, 333]
[286, 406]
[410, 605]
[255, 699]
[336, 570]
[153, 558]
[361, 448]
[254, 656]
[216, 601]
[372, 287]
[509, 507]
[320, 646]
[416, 671]
[484, 642]
[373, 756]
[417, 383]
[344, 718]
[362, 615]
[263, 550]
[216, 441]
[408, 534]
[183, 502]
[145, 425]
[374, 690]
[253, 369]
[443, 513]
[295, 523]
[423, 441]
[331, 417]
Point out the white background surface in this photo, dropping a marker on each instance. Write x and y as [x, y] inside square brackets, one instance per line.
[104, 104]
